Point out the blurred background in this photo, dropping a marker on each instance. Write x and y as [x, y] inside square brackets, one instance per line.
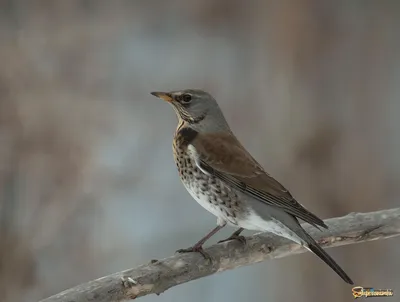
[87, 181]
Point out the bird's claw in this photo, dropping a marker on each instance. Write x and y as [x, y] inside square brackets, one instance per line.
[195, 249]
[240, 238]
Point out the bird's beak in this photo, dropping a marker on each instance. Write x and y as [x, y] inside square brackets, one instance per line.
[163, 95]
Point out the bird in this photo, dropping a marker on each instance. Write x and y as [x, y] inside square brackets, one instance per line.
[223, 177]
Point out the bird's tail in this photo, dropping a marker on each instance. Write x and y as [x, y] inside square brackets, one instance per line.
[317, 250]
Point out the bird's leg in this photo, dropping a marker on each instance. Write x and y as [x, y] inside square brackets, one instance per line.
[235, 236]
[198, 247]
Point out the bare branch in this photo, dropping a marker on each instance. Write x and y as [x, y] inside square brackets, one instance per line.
[158, 276]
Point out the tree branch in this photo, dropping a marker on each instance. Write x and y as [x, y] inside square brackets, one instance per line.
[158, 276]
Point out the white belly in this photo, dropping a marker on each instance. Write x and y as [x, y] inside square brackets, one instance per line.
[203, 200]
[256, 223]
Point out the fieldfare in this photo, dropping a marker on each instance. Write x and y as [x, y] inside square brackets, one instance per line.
[227, 181]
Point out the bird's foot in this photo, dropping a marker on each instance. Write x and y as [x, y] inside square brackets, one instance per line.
[195, 249]
[235, 236]
[239, 238]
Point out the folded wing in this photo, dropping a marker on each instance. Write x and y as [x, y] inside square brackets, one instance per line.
[223, 156]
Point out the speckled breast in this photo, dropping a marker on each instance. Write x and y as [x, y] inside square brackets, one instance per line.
[207, 190]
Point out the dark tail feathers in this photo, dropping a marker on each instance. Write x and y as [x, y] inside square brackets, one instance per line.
[317, 250]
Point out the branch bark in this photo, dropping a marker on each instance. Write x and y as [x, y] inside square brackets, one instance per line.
[158, 276]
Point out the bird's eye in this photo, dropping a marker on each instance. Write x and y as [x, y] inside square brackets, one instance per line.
[186, 98]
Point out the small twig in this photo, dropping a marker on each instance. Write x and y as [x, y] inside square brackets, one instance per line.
[158, 276]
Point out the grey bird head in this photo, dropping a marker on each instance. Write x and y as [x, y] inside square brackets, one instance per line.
[197, 108]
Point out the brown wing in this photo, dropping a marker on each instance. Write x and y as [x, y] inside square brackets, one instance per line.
[224, 157]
